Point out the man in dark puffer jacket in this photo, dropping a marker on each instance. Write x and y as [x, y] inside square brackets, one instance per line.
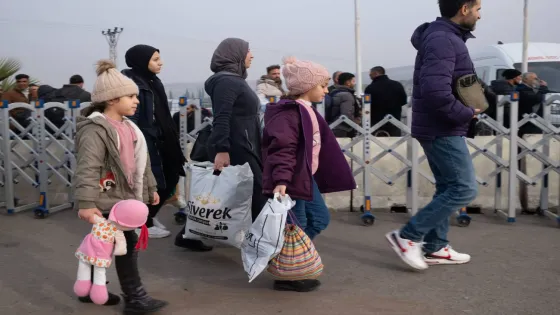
[440, 123]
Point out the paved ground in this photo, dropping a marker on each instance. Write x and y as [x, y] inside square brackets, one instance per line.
[515, 270]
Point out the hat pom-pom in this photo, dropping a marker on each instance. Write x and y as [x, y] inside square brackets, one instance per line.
[289, 60]
[104, 65]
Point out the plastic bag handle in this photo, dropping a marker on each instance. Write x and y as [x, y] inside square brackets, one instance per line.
[280, 198]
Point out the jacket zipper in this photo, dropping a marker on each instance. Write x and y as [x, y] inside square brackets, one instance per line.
[248, 140]
[305, 146]
[157, 138]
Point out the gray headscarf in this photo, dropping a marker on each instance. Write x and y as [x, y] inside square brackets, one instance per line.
[230, 56]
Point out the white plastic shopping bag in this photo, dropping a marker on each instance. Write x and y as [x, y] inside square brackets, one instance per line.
[266, 236]
[181, 200]
[219, 206]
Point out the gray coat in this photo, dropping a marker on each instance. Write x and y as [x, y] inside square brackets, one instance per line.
[344, 103]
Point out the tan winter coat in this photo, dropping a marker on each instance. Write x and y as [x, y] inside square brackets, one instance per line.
[100, 180]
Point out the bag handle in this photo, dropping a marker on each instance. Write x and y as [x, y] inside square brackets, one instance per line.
[291, 215]
[293, 218]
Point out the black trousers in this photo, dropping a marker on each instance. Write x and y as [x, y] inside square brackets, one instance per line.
[171, 181]
[127, 269]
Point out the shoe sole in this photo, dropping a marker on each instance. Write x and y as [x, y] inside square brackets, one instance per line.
[194, 249]
[291, 289]
[159, 235]
[433, 262]
[139, 312]
[397, 250]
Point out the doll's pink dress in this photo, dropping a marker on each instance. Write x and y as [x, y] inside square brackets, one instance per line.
[97, 247]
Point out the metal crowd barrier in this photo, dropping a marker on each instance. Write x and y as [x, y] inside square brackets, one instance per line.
[36, 155]
[367, 165]
[40, 152]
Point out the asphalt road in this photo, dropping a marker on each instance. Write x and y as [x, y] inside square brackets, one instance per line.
[515, 270]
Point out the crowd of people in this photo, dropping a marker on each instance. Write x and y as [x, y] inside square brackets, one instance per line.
[128, 141]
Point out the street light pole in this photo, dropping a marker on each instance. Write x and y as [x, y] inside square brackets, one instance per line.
[358, 48]
[525, 64]
[112, 36]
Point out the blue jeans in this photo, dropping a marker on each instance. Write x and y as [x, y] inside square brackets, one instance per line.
[313, 216]
[456, 187]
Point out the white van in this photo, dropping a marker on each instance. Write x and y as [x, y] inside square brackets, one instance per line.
[491, 61]
[544, 60]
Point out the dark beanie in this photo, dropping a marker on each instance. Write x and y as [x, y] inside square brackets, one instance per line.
[345, 77]
[511, 74]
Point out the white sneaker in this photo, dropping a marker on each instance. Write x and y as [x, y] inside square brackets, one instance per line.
[410, 252]
[156, 232]
[447, 256]
[159, 224]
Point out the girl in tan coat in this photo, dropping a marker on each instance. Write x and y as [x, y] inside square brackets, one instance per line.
[113, 165]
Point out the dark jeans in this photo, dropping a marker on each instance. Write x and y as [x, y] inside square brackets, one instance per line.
[456, 187]
[313, 216]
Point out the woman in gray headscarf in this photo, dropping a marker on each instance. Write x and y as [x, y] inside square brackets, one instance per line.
[236, 131]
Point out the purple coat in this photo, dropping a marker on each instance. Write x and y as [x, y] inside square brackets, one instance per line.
[442, 58]
[287, 148]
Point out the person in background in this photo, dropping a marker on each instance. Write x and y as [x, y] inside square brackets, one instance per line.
[270, 85]
[154, 119]
[74, 90]
[505, 86]
[387, 98]
[335, 81]
[511, 78]
[532, 92]
[236, 130]
[33, 92]
[191, 109]
[300, 154]
[345, 102]
[440, 123]
[20, 94]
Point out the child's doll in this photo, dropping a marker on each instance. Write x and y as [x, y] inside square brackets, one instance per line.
[105, 240]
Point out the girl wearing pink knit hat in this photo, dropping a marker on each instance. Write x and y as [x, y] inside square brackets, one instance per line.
[301, 155]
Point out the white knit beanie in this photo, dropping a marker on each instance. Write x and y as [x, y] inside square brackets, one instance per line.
[111, 84]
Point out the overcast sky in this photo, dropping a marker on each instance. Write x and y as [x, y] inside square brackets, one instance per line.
[58, 38]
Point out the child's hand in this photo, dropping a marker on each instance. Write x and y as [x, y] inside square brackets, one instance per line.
[156, 199]
[89, 215]
[281, 189]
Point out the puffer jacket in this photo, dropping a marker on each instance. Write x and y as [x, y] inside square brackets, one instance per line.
[266, 88]
[100, 180]
[441, 60]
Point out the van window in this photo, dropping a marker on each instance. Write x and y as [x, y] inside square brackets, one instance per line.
[482, 73]
[548, 71]
[499, 73]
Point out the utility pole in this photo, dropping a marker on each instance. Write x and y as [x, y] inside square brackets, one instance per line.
[525, 63]
[112, 36]
[358, 47]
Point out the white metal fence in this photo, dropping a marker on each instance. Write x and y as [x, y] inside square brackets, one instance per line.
[40, 155]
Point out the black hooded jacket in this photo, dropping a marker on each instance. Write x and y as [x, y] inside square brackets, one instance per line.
[154, 118]
[236, 107]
